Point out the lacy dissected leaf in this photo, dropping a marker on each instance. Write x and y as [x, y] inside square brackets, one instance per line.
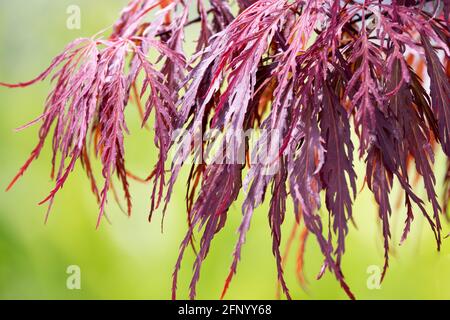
[338, 164]
[209, 213]
[440, 93]
[379, 181]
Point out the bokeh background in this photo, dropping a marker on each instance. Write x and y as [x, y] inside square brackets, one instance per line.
[130, 258]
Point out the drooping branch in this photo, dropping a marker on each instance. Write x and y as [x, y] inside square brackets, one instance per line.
[304, 74]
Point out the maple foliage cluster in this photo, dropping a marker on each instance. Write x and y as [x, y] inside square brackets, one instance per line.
[323, 73]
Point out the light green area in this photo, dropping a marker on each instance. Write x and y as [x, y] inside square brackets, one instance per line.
[131, 258]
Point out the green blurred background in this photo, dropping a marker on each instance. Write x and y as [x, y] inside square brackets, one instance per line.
[131, 258]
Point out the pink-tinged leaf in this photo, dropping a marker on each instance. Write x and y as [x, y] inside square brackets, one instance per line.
[440, 93]
[338, 165]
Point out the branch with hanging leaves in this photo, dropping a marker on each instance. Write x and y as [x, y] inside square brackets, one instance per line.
[313, 71]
